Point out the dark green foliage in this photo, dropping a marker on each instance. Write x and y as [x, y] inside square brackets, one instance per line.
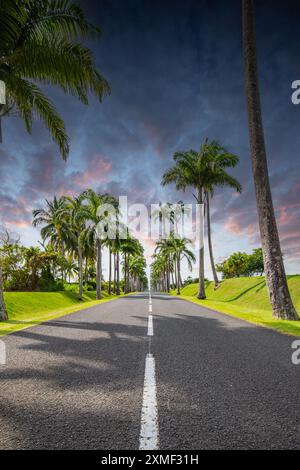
[242, 264]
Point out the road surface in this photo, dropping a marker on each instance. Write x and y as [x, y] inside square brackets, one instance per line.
[149, 373]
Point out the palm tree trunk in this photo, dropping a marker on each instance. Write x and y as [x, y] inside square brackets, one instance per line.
[172, 279]
[274, 268]
[178, 275]
[3, 311]
[62, 268]
[201, 291]
[109, 272]
[118, 274]
[126, 273]
[115, 273]
[211, 256]
[98, 269]
[86, 271]
[175, 273]
[180, 280]
[168, 274]
[80, 291]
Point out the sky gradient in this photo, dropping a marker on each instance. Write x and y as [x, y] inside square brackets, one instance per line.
[176, 74]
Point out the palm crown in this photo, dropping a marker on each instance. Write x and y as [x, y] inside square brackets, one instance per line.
[39, 42]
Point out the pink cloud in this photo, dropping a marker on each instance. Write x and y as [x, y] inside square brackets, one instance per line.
[97, 172]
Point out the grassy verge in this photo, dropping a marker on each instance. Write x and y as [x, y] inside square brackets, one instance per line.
[247, 299]
[26, 309]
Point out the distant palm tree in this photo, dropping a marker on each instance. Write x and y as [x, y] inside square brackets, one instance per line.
[71, 267]
[40, 41]
[274, 268]
[177, 249]
[92, 215]
[137, 266]
[129, 246]
[77, 214]
[55, 228]
[54, 223]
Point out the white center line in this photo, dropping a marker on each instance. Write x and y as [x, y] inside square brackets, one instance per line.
[150, 308]
[149, 420]
[150, 326]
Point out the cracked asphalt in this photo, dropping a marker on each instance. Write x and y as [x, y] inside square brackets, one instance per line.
[76, 382]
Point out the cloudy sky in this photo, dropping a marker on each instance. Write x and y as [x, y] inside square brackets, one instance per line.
[176, 74]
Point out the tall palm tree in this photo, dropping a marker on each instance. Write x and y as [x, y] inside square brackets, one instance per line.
[219, 160]
[40, 41]
[274, 268]
[190, 169]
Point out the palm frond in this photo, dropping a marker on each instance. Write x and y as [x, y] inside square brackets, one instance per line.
[30, 101]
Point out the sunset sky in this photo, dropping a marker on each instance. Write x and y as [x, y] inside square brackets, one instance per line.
[176, 74]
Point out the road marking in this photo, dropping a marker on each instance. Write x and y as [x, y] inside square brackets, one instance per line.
[149, 419]
[150, 308]
[150, 326]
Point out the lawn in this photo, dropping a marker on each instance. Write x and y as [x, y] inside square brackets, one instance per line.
[247, 298]
[30, 308]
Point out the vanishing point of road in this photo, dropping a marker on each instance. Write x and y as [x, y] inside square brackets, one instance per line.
[149, 372]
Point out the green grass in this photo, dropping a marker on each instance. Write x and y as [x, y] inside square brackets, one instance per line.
[247, 298]
[30, 308]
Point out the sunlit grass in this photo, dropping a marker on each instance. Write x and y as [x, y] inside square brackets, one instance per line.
[247, 298]
[30, 308]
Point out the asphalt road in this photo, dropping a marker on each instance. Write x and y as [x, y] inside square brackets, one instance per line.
[77, 382]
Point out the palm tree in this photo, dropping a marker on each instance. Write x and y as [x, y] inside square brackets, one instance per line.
[177, 249]
[181, 251]
[55, 228]
[137, 266]
[274, 268]
[189, 171]
[219, 160]
[70, 267]
[163, 214]
[165, 249]
[77, 214]
[94, 202]
[40, 41]
[129, 247]
[158, 267]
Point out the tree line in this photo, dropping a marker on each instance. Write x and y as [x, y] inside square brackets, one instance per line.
[72, 247]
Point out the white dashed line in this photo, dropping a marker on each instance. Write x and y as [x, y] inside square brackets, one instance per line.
[149, 419]
[150, 326]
